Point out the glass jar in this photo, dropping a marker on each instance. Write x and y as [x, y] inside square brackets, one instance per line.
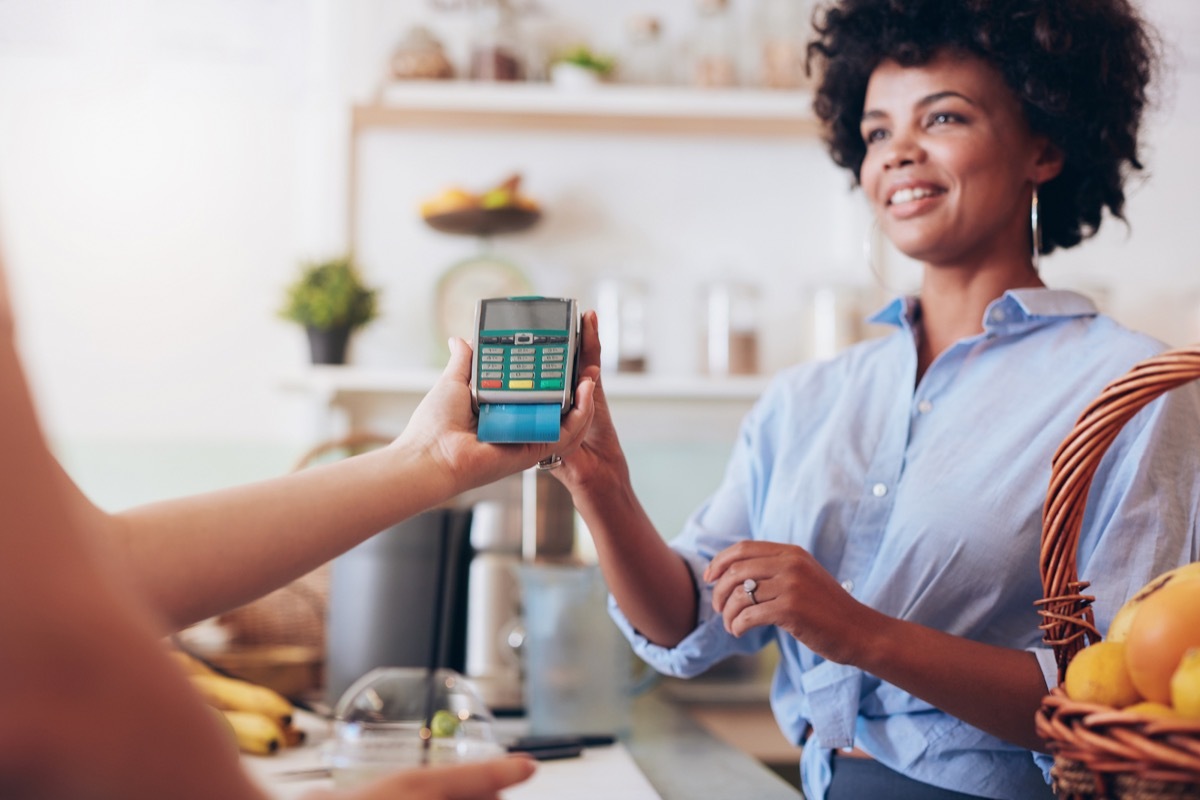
[832, 318]
[645, 61]
[497, 48]
[731, 328]
[621, 313]
[403, 717]
[714, 45]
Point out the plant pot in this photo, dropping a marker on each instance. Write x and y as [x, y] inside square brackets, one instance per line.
[328, 345]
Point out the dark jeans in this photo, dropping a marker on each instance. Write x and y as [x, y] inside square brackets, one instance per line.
[867, 779]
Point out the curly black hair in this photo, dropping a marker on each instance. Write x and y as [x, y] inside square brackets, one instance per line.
[1080, 69]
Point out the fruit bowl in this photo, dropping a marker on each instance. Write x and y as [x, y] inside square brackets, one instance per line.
[484, 221]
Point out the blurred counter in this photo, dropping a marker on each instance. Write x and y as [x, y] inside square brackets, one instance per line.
[668, 755]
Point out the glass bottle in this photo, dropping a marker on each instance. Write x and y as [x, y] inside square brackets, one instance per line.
[714, 46]
[645, 62]
[497, 49]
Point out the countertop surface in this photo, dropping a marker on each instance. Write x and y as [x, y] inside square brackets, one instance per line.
[668, 755]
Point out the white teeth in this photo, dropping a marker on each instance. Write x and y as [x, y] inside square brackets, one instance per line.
[908, 195]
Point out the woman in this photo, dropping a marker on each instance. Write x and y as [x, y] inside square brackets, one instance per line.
[879, 519]
[90, 705]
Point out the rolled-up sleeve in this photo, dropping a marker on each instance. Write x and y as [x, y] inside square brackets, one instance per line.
[708, 642]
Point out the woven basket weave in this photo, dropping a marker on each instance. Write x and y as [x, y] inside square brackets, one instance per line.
[1100, 752]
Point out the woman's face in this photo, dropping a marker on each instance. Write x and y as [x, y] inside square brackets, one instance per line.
[950, 161]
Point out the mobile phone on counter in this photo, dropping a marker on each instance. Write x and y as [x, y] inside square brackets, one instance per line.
[523, 374]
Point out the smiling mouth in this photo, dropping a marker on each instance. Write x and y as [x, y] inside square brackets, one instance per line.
[911, 194]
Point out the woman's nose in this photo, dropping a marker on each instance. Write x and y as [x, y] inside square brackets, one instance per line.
[902, 150]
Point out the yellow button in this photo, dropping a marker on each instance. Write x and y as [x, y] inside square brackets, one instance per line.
[520, 384]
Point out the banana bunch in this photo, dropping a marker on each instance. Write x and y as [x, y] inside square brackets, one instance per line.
[260, 719]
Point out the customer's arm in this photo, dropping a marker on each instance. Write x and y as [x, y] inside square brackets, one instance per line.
[91, 705]
[196, 556]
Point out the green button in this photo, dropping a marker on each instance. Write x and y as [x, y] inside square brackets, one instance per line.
[551, 384]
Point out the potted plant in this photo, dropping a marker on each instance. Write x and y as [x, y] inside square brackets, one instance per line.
[330, 300]
[579, 67]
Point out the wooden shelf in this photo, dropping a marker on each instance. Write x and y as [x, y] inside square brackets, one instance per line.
[605, 108]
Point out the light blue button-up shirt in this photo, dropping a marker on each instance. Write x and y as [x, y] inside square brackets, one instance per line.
[924, 500]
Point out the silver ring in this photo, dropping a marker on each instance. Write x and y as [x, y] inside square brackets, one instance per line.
[750, 585]
[553, 461]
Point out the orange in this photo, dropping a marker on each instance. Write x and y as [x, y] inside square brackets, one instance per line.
[1165, 626]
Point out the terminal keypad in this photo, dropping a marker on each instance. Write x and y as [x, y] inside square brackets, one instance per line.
[522, 361]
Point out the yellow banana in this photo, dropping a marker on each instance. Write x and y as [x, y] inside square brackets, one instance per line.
[230, 694]
[189, 664]
[293, 736]
[256, 733]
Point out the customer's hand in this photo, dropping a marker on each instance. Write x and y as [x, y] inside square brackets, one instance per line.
[444, 426]
[478, 781]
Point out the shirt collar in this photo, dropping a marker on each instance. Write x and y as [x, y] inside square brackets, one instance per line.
[1016, 309]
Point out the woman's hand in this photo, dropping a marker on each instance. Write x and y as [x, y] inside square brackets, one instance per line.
[482, 780]
[444, 425]
[598, 458]
[792, 592]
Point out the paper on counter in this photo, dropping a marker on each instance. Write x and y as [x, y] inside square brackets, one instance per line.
[601, 773]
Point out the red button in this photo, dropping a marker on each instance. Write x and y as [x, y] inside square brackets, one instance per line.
[491, 384]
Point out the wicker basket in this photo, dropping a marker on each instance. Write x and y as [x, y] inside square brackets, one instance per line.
[1100, 752]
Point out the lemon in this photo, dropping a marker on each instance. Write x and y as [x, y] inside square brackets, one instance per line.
[1185, 685]
[1098, 674]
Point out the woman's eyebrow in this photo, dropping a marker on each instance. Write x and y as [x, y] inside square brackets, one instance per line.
[924, 102]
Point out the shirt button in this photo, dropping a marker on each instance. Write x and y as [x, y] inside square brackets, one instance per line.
[998, 315]
[848, 585]
[924, 406]
[879, 490]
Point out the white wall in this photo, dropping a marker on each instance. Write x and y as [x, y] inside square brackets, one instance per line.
[164, 166]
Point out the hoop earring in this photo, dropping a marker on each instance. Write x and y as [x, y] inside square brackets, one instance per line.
[870, 253]
[1035, 230]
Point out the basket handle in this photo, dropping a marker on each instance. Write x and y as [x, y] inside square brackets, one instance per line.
[1068, 623]
[352, 442]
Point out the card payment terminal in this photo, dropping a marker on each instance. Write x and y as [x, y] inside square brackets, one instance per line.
[523, 375]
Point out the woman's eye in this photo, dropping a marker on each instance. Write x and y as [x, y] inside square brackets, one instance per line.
[875, 135]
[944, 118]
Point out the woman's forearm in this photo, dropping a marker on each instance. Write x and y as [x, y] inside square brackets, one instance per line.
[651, 583]
[996, 689]
[197, 556]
